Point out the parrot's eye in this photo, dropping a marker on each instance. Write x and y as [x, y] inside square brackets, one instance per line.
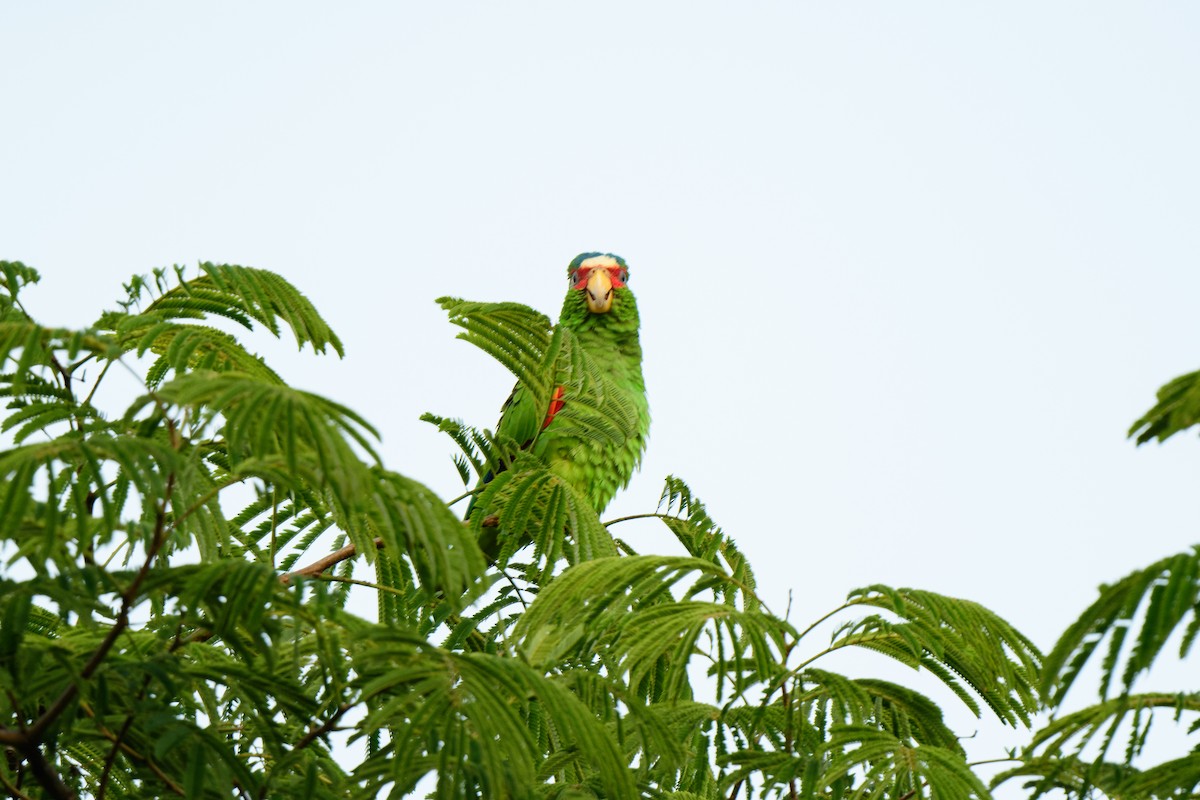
[579, 277]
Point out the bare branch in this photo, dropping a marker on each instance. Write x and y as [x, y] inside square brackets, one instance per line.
[322, 564]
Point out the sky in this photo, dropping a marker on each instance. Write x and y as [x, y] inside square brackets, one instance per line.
[907, 271]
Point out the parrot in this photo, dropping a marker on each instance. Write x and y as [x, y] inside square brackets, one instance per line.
[601, 313]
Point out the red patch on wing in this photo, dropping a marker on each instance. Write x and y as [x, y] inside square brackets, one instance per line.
[556, 404]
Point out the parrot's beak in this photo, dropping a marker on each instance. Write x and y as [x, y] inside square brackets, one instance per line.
[599, 291]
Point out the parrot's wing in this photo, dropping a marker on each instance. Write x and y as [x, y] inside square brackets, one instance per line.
[520, 419]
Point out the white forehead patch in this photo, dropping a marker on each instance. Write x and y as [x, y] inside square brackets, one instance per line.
[599, 261]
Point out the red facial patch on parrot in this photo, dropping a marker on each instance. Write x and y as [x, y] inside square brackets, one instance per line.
[556, 404]
[618, 276]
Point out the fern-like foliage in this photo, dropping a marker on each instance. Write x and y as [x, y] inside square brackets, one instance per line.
[537, 506]
[818, 733]
[1099, 750]
[1164, 597]
[129, 672]
[621, 629]
[890, 767]
[515, 335]
[686, 517]
[621, 610]
[1130, 623]
[957, 640]
[244, 295]
[169, 325]
[173, 615]
[1177, 409]
[481, 722]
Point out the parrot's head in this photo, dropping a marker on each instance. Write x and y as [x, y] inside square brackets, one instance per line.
[600, 278]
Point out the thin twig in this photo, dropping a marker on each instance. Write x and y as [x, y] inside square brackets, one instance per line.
[787, 729]
[463, 496]
[974, 764]
[28, 741]
[204, 498]
[322, 564]
[87, 401]
[122, 622]
[632, 517]
[355, 581]
[517, 589]
[320, 730]
[118, 739]
[112, 737]
[12, 790]
[118, 742]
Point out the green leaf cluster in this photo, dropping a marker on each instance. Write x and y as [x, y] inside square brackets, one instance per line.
[174, 615]
[1101, 750]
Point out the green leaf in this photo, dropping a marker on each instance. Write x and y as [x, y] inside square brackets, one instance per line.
[686, 517]
[243, 294]
[891, 768]
[1177, 409]
[621, 610]
[534, 505]
[954, 639]
[513, 334]
[414, 523]
[1167, 592]
[185, 347]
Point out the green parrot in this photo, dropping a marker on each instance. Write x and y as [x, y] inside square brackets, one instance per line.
[601, 313]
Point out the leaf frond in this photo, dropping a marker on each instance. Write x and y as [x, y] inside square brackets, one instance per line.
[1166, 593]
[953, 638]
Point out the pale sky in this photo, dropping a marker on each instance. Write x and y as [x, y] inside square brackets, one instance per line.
[907, 271]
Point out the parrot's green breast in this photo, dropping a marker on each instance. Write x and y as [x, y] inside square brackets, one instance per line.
[599, 466]
[594, 431]
[591, 429]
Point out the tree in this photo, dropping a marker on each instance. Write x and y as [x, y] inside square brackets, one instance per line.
[1131, 622]
[161, 638]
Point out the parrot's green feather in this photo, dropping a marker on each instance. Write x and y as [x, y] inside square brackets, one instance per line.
[520, 418]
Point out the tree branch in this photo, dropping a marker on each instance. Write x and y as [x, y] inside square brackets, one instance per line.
[348, 552]
[113, 737]
[44, 772]
[28, 740]
[322, 564]
[324, 728]
[12, 790]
